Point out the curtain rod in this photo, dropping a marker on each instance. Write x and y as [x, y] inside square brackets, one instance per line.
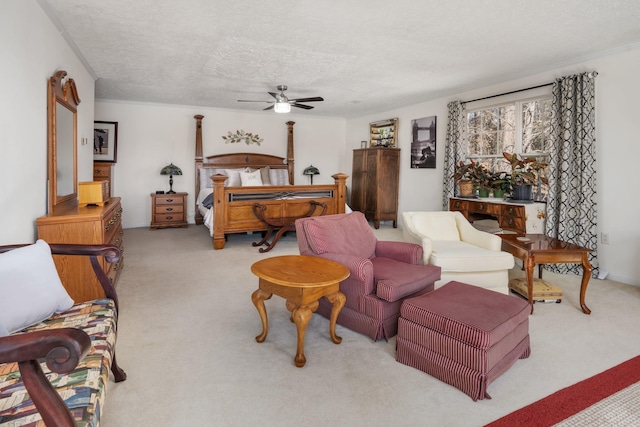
[508, 93]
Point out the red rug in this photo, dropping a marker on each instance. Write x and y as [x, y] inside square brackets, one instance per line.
[574, 399]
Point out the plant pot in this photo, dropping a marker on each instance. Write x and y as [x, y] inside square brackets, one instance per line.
[466, 188]
[522, 192]
[498, 194]
[483, 192]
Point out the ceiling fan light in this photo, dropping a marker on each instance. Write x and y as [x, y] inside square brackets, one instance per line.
[282, 107]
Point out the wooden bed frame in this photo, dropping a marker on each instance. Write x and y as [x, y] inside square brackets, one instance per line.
[233, 206]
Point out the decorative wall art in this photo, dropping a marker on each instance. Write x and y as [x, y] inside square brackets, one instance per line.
[423, 143]
[105, 141]
[242, 136]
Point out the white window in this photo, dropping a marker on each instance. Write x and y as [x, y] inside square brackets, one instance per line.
[521, 126]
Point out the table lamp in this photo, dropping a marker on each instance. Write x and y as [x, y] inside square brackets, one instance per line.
[311, 170]
[171, 170]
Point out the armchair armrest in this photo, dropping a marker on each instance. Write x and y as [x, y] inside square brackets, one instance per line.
[410, 253]
[361, 269]
[470, 234]
[62, 350]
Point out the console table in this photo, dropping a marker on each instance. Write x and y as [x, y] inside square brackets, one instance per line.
[519, 217]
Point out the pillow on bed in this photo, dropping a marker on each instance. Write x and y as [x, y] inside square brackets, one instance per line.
[264, 174]
[233, 177]
[205, 177]
[279, 176]
[251, 179]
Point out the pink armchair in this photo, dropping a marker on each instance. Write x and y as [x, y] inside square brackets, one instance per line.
[383, 273]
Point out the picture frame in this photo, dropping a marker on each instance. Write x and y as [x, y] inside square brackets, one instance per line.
[423, 143]
[105, 141]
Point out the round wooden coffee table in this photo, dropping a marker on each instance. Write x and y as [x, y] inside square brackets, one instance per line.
[302, 281]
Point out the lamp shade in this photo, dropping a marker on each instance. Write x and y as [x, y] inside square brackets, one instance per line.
[282, 107]
[171, 170]
[311, 170]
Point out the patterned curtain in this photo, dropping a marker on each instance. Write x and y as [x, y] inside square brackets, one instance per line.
[454, 149]
[571, 203]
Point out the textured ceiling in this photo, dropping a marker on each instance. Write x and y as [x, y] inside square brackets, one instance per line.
[361, 56]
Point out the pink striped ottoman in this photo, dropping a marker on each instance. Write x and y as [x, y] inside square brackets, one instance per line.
[463, 335]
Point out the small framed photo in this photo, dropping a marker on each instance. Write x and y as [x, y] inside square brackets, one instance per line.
[105, 141]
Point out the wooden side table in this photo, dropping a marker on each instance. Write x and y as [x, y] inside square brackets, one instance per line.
[302, 281]
[168, 210]
[539, 249]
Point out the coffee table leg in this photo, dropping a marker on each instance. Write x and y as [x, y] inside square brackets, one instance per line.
[301, 316]
[586, 275]
[338, 299]
[529, 264]
[258, 298]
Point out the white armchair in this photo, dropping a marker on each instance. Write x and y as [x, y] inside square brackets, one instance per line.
[463, 252]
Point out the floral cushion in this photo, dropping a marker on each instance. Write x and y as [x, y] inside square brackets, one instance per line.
[83, 389]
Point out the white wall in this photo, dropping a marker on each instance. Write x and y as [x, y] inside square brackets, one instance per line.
[31, 51]
[152, 135]
[617, 91]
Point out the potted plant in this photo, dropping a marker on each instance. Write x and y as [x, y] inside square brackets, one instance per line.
[500, 184]
[524, 174]
[465, 176]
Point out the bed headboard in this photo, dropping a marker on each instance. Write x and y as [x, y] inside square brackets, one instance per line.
[241, 160]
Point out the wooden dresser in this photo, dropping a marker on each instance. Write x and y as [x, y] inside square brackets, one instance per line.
[511, 216]
[103, 171]
[168, 210]
[84, 225]
[375, 179]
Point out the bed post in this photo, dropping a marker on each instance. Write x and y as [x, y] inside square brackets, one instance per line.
[198, 217]
[341, 188]
[290, 160]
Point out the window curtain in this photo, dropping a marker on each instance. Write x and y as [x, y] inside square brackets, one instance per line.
[571, 202]
[454, 150]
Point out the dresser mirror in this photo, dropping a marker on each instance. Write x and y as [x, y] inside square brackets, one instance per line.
[62, 151]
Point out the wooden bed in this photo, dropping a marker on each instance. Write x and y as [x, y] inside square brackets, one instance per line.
[233, 206]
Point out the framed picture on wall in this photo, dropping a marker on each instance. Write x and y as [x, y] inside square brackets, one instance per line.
[423, 142]
[105, 141]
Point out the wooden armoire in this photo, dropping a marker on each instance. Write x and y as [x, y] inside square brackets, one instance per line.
[374, 180]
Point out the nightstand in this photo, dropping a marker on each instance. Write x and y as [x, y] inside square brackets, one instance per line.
[168, 210]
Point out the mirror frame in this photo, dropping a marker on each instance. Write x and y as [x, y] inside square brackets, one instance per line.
[66, 95]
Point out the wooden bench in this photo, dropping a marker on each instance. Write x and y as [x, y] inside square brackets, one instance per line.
[78, 347]
[280, 225]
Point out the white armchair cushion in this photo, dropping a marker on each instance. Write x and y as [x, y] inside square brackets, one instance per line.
[462, 256]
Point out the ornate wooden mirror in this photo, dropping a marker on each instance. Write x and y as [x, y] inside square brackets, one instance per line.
[62, 109]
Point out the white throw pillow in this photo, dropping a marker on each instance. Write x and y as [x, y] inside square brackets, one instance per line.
[30, 288]
[250, 179]
[279, 176]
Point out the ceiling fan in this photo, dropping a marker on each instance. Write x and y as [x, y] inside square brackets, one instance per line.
[282, 104]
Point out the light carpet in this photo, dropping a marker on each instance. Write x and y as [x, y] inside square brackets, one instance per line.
[186, 338]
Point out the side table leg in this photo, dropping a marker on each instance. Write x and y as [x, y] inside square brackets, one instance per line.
[301, 316]
[258, 298]
[529, 265]
[586, 275]
[338, 300]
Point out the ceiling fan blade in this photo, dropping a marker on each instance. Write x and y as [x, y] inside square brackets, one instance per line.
[275, 95]
[247, 100]
[268, 108]
[314, 99]
[306, 107]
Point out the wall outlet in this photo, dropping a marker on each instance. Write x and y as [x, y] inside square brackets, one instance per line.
[604, 238]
